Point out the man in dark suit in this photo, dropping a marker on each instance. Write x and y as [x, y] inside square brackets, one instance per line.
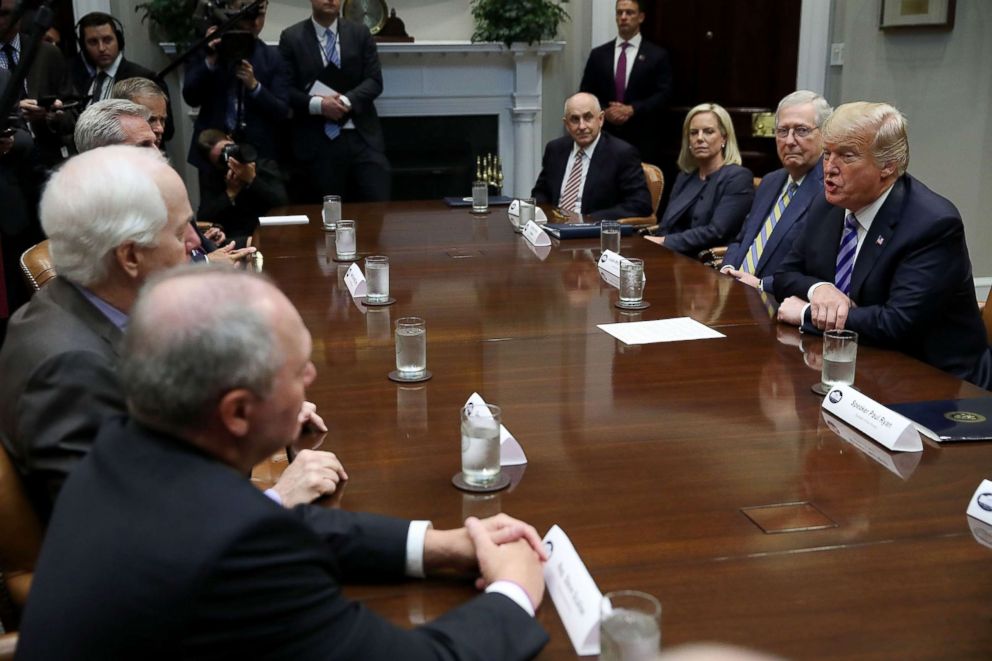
[101, 62]
[209, 568]
[632, 78]
[783, 198]
[882, 254]
[60, 356]
[337, 140]
[589, 172]
[248, 99]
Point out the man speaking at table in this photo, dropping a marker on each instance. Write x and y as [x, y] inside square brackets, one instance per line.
[161, 548]
[882, 254]
[589, 172]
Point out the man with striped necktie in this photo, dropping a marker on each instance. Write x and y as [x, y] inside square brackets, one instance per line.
[882, 254]
[589, 172]
[784, 196]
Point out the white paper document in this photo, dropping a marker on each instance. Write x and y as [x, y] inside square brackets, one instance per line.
[320, 89]
[573, 592]
[510, 451]
[299, 219]
[678, 329]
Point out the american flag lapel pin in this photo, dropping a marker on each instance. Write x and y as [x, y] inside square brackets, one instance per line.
[880, 240]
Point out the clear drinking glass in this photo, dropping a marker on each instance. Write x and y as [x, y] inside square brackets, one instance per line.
[411, 347]
[609, 236]
[345, 244]
[629, 626]
[480, 197]
[631, 280]
[480, 444]
[840, 353]
[377, 278]
[332, 211]
[526, 212]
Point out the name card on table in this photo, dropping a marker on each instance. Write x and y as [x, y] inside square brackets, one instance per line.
[541, 252]
[513, 212]
[355, 280]
[610, 262]
[535, 235]
[574, 593]
[881, 424]
[299, 219]
[980, 506]
[610, 278]
[901, 464]
[510, 451]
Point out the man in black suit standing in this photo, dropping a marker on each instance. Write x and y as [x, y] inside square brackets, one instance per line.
[589, 172]
[160, 518]
[632, 78]
[883, 255]
[337, 140]
[100, 63]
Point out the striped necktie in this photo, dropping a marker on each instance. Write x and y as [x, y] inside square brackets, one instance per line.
[331, 129]
[845, 255]
[754, 253]
[570, 195]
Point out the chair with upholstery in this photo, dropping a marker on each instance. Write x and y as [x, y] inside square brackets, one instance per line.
[656, 186]
[20, 542]
[36, 265]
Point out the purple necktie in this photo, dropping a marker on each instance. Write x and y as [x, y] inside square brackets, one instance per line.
[620, 80]
[845, 255]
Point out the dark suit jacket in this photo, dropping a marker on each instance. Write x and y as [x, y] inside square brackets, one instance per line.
[157, 551]
[59, 383]
[240, 216]
[912, 281]
[648, 89]
[786, 229]
[265, 113]
[48, 77]
[615, 186]
[81, 80]
[360, 67]
[717, 212]
[20, 179]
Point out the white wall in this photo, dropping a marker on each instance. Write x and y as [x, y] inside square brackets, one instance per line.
[942, 81]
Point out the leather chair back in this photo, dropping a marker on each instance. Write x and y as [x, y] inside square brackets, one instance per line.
[656, 186]
[36, 265]
[20, 542]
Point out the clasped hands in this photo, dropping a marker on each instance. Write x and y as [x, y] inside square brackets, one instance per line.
[332, 107]
[618, 113]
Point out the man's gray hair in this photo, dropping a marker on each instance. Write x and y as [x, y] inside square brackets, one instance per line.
[100, 124]
[196, 333]
[133, 88]
[802, 97]
[880, 127]
[97, 201]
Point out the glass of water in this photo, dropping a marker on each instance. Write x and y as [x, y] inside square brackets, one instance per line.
[377, 278]
[631, 281]
[332, 211]
[840, 353]
[345, 245]
[526, 212]
[411, 347]
[480, 444]
[629, 626]
[609, 236]
[480, 197]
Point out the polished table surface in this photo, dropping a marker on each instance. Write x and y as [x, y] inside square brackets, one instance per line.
[645, 455]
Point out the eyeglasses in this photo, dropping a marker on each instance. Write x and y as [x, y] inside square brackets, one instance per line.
[800, 131]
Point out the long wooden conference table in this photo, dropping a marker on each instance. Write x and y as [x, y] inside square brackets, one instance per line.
[702, 472]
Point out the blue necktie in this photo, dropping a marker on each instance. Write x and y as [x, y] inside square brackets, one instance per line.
[331, 129]
[845, 255]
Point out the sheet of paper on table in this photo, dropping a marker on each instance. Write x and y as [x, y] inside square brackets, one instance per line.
[678, 329]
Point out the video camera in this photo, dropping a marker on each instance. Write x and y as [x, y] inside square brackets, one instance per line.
[235, 45]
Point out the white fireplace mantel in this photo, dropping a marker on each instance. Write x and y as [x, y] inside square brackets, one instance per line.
[437, 78]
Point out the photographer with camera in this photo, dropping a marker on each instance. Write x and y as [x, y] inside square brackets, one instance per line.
[241, 86]
[239, 187]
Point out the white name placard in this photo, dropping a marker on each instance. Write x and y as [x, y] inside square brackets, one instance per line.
[610, 262]
[513, 212]
[576, 597]
[510, 451]
[900, 463]
[355, 280]
[535, 235]
[877, 422]
[609, 278]
[980, 506]
[299, 219]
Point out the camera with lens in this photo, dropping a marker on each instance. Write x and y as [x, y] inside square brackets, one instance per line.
[237, 44]
[241, 152]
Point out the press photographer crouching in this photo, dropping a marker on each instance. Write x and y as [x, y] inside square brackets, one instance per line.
[238, 187]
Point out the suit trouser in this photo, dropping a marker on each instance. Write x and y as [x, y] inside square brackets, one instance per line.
[349, 167]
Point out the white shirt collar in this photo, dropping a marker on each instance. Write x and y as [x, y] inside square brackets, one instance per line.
[867, 214]
[635, 41]
[111, 71]
[588, 150]
[320, 29]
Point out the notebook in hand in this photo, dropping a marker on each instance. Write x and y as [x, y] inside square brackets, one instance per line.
[950, 420]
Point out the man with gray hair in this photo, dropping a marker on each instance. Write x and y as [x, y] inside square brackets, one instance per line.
[882, 254]
[784, 196]
[114, 216]
[215, 365]
[147, 93]
[113, 122]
